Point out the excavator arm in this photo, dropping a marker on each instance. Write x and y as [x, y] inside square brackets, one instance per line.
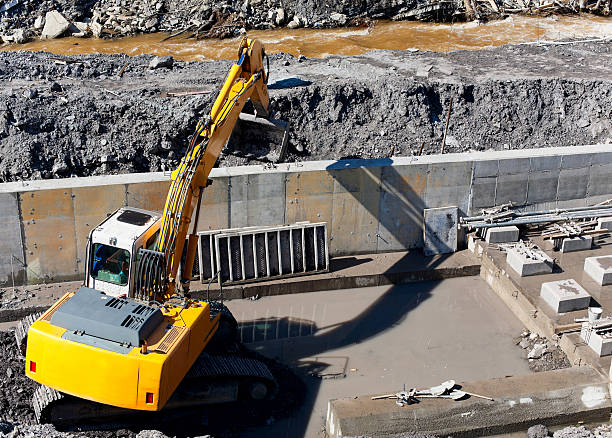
[247, 79]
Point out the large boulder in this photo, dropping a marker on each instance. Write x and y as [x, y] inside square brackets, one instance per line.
[55, 25]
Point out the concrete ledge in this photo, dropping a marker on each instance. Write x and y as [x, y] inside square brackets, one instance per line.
[550, 398]
[360, 271]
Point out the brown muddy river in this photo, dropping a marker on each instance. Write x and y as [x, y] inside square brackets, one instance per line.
[320, 43]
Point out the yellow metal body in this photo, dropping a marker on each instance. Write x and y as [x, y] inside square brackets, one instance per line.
[117, 379]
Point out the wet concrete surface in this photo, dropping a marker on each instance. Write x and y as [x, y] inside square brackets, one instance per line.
[417, 334]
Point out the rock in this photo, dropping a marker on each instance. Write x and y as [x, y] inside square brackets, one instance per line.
[9, 373]
[56, 87]
[338, 18]
[537, 431]
[39, 22]
[96, 29]
[293, 24]
[524, 343]
[280, 16]
[30, 93]
[161, 61]
[151, 23]
[59, 166]
[537, 351]
[19, 36]
[55, 25]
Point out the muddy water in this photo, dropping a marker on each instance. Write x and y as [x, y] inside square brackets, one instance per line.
[320, 43]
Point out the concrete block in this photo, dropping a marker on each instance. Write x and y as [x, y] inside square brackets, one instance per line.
[551, 162]
[565, 295]
[600, 180]
[601, 158]
[402, 200]
[485, 168]
[579, 243]
[599, 339]
[526, 266]
[356, 200]
[575, 161]
[502, 234]
[511, 188]
[440, 230]
[599, 269]
[514, 166]
[604, 223]
[449, 184]
[573, 184]
[542, 186]
[11, 248]
[483, 193]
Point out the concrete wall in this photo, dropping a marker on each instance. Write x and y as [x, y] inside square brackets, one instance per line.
[370, 205]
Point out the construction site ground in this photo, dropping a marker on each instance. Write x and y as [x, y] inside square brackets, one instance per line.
[352, 342]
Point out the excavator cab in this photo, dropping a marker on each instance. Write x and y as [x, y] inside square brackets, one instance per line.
[113, 250]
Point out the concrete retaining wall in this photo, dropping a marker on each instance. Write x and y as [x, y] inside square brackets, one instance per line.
[370, 205]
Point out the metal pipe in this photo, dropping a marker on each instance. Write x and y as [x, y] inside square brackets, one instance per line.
[534, 213]
[539, 219]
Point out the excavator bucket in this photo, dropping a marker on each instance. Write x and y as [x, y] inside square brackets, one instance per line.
[259, 138]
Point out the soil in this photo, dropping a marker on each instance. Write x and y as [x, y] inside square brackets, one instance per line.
[102, 114]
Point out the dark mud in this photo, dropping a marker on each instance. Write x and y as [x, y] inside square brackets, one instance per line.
[100, 114]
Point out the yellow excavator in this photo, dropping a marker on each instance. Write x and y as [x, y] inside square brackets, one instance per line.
[131, 337]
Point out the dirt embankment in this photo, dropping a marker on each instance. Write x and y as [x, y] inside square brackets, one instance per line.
[99, 114]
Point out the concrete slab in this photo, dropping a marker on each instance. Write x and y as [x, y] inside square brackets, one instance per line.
[565, 295]
[580, 243]
[512, 188]
[387, 337]
[502, 234]
[524, 265]
[604, 223]
[573, 183]
[550, 398]
[599, 269]
[440, 230]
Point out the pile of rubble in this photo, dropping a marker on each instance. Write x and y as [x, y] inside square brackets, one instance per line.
[542, 354]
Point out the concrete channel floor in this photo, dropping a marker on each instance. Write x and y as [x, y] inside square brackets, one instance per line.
[417, 334]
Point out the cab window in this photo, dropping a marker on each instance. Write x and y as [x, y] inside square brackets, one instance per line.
[110, 264]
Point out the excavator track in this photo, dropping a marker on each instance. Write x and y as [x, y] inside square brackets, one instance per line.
[21, 331]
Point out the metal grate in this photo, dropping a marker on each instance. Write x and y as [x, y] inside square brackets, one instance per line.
[252, 254]
[170, 338]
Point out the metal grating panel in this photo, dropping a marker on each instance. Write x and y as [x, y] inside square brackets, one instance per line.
[170, 338]
[251, 254]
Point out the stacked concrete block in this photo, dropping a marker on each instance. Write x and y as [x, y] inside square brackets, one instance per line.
[604, 223]
[599, 269]
[502, 234]
[532, 262]
[580, 243]
[565, 295]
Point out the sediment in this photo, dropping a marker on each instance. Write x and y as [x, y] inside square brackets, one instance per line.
[101, 114]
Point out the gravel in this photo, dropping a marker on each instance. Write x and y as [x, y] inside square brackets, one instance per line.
[104, 114]
[542, 354]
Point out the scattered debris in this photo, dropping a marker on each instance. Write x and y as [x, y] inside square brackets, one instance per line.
[445, 390]
[541, 353]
